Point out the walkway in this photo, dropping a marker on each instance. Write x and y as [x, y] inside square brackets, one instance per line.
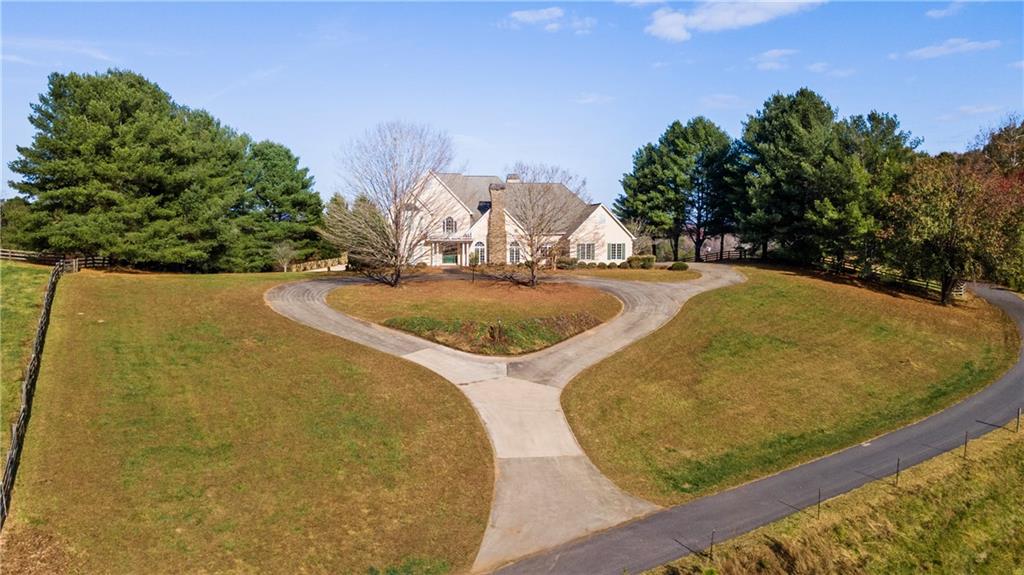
[546, 490]
[670, 534]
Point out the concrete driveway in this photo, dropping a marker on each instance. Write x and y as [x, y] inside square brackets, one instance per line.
[547, 492]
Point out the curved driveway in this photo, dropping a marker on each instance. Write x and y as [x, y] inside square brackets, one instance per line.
[546, 490]
[672, 533]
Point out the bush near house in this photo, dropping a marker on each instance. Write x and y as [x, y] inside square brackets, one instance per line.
[640, 262]
[679, 266]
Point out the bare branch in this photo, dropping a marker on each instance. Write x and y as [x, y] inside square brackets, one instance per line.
[388, 177]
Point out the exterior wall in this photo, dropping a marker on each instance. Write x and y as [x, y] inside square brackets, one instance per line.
[601, 229]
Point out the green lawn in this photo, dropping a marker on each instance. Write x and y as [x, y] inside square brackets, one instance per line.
[22, 287]
[485, 316]
[180, 425]
[755, 378]
[947, 516]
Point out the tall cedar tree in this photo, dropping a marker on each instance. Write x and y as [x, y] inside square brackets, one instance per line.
[790, 150]
[278, 207]
[116, 168]
[678, 185]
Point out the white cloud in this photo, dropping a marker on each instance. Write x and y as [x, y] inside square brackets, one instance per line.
[550, 19]
[722, 101]
[677, 25]
[581, 26]
[1017, 64]
[978, 110]
[776, 59]
[970, 110]
[829, 70]
[535, 16]
[60, 46]
[587, 98]
[659, 65]
[636, 3]
[15, 59]
[947, 48]
[950, 9]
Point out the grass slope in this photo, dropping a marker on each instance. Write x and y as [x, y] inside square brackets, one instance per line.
[180, 425]
[947, 516]
[466, 315]
[22, 287]
[758, 377]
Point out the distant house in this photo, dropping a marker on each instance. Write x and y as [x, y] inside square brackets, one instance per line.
[483, 222]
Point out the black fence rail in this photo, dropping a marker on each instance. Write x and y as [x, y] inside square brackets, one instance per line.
[28, 388]
[73, 263]
[885, 276]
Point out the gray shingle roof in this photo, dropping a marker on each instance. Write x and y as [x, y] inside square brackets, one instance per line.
[470, 189]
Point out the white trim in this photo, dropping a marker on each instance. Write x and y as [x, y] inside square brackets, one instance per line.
[457, 199]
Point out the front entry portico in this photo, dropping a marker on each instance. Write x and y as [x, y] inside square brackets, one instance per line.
[449, 253]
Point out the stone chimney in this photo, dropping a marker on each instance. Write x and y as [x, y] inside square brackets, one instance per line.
[513, 179]
[497, 239]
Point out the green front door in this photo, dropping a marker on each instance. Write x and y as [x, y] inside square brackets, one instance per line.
[450, 255]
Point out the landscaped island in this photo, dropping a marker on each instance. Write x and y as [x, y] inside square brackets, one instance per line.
[754, 378]
[180, 425]
[483, 316]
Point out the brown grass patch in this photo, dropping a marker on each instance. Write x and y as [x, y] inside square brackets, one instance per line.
[181, 425]
[485, 316]
[758, 377]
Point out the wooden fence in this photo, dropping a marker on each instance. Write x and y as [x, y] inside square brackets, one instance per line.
[887, 276]
[28, 388]
[330, 264]
[72, 263]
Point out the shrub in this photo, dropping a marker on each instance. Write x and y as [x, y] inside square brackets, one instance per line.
[421, 265]
[592, 265]
[640, 262]
[565, 263]
[603, 265]
[679, 266]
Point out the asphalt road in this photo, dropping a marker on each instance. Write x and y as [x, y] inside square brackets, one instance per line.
[678, 531]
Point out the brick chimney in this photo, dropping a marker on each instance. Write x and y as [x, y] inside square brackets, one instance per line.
[497, 239]
[513, 179]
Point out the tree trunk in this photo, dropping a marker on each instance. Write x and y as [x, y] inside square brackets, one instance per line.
[764, 249]
[721, 247]
[948, 281]
[698, 242]
[675, 246]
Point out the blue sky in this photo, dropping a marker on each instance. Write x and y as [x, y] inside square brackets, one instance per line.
[576, 84]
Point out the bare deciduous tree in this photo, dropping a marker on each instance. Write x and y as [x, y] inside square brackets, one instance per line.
[545, 204]
[283, 253]
[392, 212]
[644, 243]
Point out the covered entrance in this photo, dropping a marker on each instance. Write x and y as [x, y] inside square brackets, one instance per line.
[450, 254]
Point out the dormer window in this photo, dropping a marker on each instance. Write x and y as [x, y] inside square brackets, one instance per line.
[449, 225]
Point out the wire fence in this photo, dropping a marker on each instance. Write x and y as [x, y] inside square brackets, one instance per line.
[28, 388]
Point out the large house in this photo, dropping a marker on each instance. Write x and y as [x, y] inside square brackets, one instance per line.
[481, 219]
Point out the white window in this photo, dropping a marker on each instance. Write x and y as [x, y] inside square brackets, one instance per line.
[481, 252]
[584, 251]
[449, 225]
[545, 250]
[616, 251]
[515, 255]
